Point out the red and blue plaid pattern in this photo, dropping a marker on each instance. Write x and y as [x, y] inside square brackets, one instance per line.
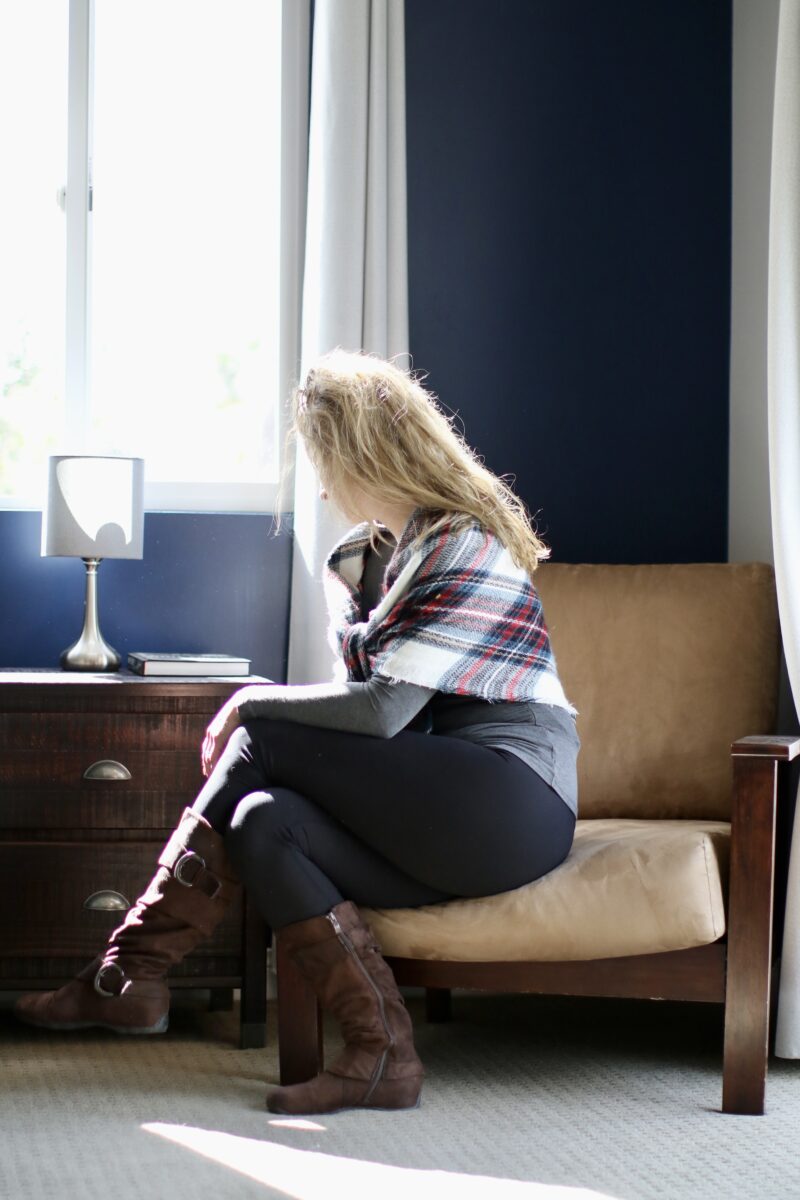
[457, 614]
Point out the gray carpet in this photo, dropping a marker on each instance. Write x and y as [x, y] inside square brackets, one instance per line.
[528, 1098]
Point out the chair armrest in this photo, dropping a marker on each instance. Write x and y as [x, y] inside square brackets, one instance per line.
[757, 762]
[780, 746]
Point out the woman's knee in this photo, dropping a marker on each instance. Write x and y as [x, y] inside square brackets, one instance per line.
[250, 817]
[249, 750]
[240, 744]
[260, 822]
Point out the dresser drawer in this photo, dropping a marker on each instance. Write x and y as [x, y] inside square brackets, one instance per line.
[44, 889]
[71, 770]
[89, 813]
[102, 735]
[51, 794]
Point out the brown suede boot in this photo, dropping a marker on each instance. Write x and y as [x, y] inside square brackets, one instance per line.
[378, 1067]
[124, 989]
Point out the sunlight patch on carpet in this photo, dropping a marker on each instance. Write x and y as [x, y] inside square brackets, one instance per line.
[307, 1175]
[297, 1123]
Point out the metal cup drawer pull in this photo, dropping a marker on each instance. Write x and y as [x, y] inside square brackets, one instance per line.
[107, 769]
[107, 901]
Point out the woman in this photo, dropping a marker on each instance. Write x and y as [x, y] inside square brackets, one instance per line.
[439, 764]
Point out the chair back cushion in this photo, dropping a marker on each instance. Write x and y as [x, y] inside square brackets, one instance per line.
[667, 666]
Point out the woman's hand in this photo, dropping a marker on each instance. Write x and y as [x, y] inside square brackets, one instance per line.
[217, 734]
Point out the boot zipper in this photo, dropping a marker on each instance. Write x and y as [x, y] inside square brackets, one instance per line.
[348, 945]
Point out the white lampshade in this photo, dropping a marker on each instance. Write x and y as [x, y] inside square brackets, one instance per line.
[95, 507]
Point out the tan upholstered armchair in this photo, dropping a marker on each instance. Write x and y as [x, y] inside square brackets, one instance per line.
[668, 890]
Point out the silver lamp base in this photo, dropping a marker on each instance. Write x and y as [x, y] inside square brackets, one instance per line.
[91, 652]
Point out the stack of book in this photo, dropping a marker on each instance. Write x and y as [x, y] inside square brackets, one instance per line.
[187, 664]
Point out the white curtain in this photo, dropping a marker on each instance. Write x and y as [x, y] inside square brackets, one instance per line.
[355, 288]
[784, 443]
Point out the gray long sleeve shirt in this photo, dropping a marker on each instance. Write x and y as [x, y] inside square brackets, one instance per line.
[377, 708]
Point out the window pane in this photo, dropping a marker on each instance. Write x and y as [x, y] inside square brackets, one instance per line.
[33, 167]
[186, 237]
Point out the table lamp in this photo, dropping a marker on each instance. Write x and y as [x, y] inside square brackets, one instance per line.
[95, 510]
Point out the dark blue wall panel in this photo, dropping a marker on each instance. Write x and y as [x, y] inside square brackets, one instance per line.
[207, 582]
[569, 232]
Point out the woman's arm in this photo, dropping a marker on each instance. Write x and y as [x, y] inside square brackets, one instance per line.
[377, 708]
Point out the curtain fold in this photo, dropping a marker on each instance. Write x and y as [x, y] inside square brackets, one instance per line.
[355, 287]
[784, 444]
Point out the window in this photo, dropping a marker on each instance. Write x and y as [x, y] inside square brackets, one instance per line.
[33, 154]
[143, 315]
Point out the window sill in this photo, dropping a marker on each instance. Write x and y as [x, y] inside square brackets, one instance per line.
[183, 497]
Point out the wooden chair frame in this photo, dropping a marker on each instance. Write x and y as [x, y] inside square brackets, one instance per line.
[735, 971]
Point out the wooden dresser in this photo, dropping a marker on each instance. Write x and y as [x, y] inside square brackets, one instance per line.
[95, 771]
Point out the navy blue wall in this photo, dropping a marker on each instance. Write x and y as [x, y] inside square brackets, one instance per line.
[569, 234]
[214, 583]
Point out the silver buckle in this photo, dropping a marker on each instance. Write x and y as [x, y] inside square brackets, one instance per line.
[98, 987]
[189, 856]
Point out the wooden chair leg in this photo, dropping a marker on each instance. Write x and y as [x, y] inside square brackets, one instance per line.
[438, 1004]
[253, 1019]
[300, 1050]
[747, 995]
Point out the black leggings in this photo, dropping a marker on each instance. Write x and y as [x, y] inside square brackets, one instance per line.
[314, 816]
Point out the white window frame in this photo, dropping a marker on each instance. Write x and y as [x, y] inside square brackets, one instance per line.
[182, 496]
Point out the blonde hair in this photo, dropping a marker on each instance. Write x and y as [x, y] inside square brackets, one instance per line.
[369, 423]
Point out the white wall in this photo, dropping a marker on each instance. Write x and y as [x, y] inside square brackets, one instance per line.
[755, 35]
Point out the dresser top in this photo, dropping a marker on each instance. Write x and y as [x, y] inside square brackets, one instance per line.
[115, 691]
[47, 677]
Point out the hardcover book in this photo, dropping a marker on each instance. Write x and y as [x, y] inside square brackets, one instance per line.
[146, 663]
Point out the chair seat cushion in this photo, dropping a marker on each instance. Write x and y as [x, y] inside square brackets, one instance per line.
[626, 887]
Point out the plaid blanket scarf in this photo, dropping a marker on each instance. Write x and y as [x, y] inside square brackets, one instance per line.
[457, 614]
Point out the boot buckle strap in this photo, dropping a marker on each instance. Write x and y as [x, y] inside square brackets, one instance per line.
[190, 870]
[118, 986]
